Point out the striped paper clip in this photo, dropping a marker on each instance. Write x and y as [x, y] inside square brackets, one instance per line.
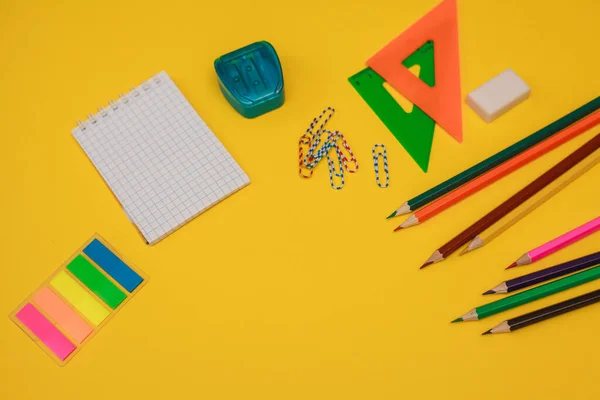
[304, 141]
[345, 159]
[332, 173]
[380, 151]
[309, 135]
[316, 145]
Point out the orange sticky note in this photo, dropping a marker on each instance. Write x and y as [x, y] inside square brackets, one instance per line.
[62, 314]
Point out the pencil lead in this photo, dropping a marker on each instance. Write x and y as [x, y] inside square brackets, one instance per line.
[512, 265]
[470, 316]
[487, 332]
[398, 228]
[459, 319]
[435, 257]
[476, 243]
[410, 221]
[428, 263]
[391, 215]
[404, 209]
[501, 288]
[524, 259]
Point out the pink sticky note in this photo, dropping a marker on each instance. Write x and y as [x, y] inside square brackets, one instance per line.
[45, 331]
[64, 315]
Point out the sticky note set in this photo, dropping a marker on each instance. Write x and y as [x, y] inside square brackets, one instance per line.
[78, 299]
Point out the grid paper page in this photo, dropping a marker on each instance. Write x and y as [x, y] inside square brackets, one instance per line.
[159, 158]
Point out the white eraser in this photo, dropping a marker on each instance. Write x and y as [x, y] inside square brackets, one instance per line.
[498, 95]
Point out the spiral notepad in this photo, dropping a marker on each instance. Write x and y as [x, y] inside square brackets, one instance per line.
[160, 159]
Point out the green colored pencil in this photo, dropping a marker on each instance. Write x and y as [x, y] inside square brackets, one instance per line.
[497, 159]
[531, 295]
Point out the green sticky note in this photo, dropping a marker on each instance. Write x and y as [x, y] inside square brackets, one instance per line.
[96, 281]
[413, 130]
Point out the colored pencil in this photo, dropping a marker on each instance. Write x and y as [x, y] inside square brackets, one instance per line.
[526, 208]
[545, 313]
[514, 201]
[556, 244]
[546, 274]
[527, 296]
[497, 159]
[472, 187]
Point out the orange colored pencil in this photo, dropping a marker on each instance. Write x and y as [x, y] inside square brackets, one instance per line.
[501, 171]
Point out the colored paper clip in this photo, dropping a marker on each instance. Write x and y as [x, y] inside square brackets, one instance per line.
[382, 152]
[304, 141]
[344, 159]
[313, 156]
[309, 135]
[313, 148]
[332, 173]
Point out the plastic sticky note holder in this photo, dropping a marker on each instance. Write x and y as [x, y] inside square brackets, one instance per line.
[251, 79]
[78, 299]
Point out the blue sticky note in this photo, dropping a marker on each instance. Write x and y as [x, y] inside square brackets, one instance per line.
[113, 265]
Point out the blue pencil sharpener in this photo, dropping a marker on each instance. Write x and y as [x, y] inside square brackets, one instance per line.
[251, 79]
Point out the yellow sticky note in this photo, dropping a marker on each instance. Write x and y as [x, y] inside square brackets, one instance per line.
[84, 302]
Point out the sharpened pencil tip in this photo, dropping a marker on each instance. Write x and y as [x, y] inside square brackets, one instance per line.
[487, 332]
[512, 265]
[398, 228]
[391, 215]
[435, 257]
[489, 292]
[410, 221]
[428, 263]
[459, 319]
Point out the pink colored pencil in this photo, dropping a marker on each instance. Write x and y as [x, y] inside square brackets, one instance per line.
[556, 244]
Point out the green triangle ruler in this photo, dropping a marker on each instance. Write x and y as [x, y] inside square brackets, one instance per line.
[413, 130]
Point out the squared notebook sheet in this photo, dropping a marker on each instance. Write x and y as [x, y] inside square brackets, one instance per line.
[160, 159]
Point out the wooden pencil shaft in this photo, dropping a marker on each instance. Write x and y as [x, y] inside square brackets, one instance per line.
[502, 226]
[521, 196]
[538, 292]
[500, 157]
[554, 310]
[507, 167]
[550, 273]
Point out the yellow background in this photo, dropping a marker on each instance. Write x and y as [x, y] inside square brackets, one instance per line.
[289, 289]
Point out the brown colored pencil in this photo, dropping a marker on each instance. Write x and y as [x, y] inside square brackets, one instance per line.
[514, 201]
[516, 215]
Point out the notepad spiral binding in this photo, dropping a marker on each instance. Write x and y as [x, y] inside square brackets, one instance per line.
[114, 105]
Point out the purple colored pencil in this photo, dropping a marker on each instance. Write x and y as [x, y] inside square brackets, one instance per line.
[547, 274]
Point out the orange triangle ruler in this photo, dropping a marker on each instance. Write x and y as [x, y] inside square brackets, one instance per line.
[443, 101]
